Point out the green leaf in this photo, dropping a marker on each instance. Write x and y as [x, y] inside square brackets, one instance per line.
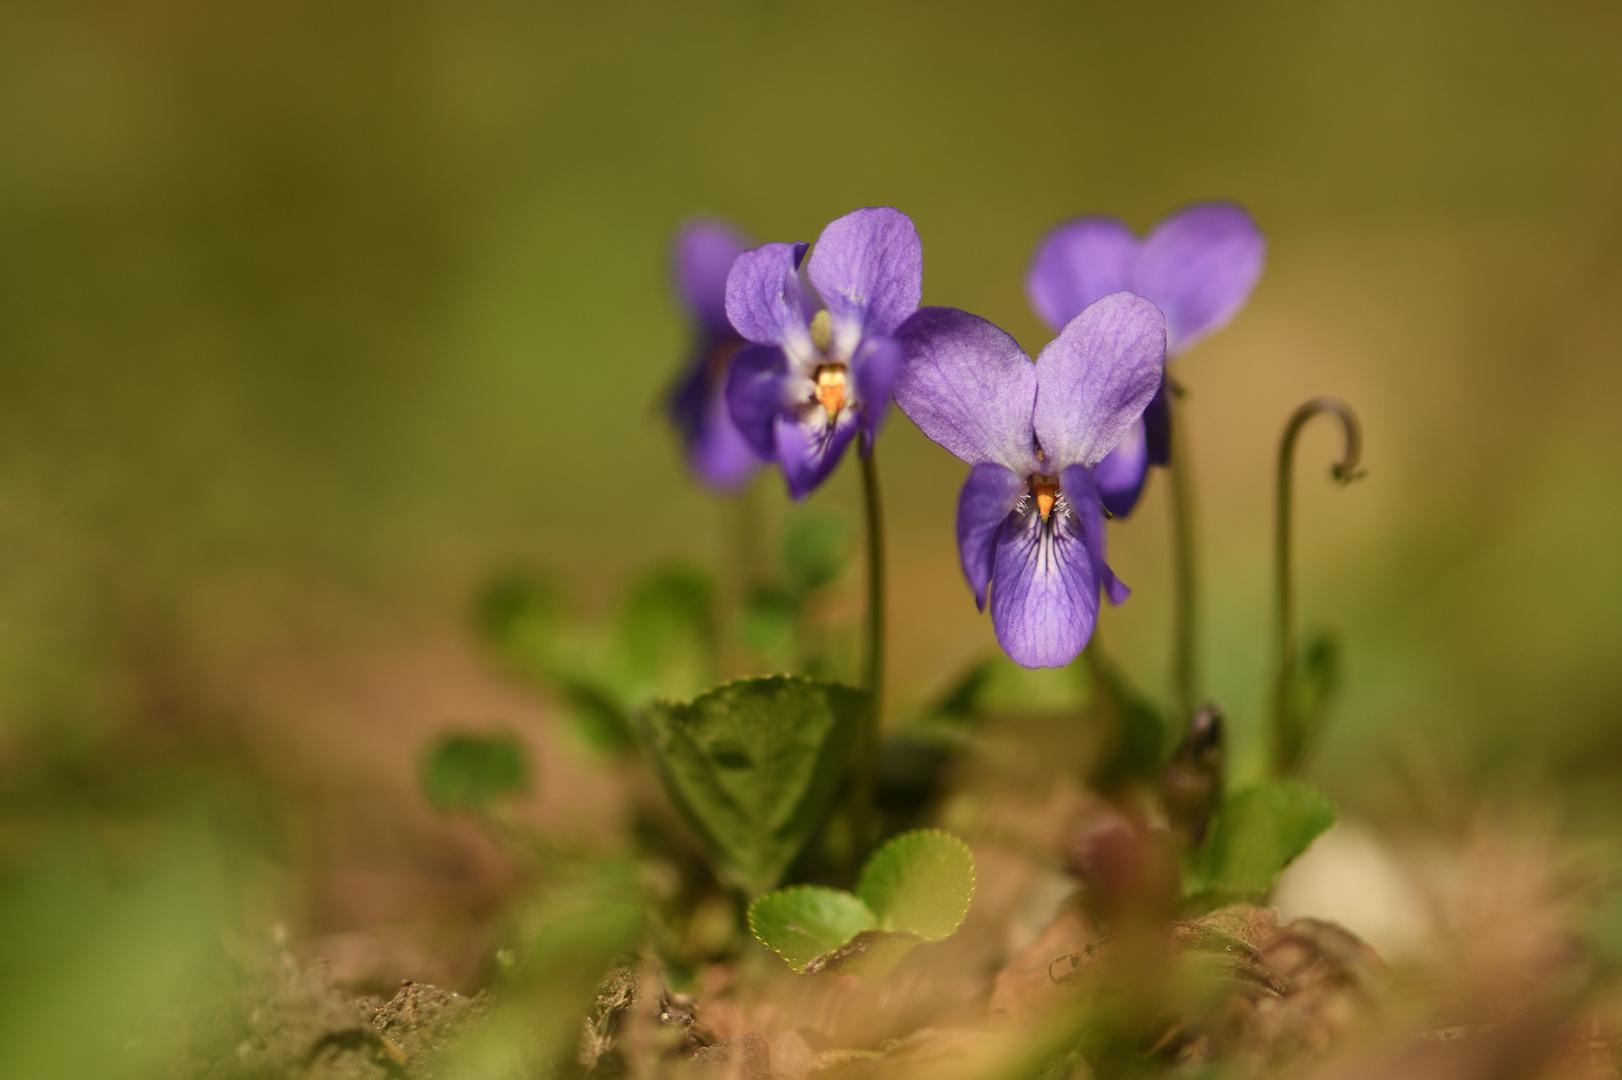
[807, 921]
[520, 616]
[919, 883]
[960, 701]
[1134, 738]
[523, 620]
[1307, 695]
[915, 888]
[668, 629]
[815, 552]
[465, 772]
[1257, 833]
[754, 766]
[872, 953]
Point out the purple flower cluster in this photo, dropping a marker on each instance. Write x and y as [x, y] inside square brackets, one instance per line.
[797, 357]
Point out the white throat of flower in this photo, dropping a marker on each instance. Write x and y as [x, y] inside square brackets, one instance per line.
[830, 377]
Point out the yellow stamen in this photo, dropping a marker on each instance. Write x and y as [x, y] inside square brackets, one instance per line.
[831, 387]
[822, 331]
[1046, 490]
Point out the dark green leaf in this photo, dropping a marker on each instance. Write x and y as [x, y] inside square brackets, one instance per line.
[815, 551]
[1257, 833]
[961, 700]
[919, 883]
[668, 629]
[806, 921]
[755, 766]
[1133, 740]
[465, 772]
[520, 616]
[769, 620]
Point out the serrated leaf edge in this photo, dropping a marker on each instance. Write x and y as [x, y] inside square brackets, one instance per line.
[804, 680]
[974, 870]
[800, 969]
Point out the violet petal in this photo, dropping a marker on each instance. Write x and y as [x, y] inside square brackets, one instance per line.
[868, 267]
[989, 495]
[1096, 377]
[1044, 597]
[1121, 474]
[1079, 491]
[754, 395]
[704, 252]
[877, 364]
[763, 297]
[969, 387]
[1199, 266]
[717, 451]
[1078, 262]
[1157, 427]
[808, 449]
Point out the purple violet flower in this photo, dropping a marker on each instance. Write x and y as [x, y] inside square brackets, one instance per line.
[719, 456]
[819, 373]
[1198, 266]
[1030, 528]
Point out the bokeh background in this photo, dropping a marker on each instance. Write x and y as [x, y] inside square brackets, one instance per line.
[314, 315]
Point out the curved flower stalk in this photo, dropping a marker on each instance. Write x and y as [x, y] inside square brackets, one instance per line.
[820, 367]
[703, 253]
[1198, 266]
[1030, 526]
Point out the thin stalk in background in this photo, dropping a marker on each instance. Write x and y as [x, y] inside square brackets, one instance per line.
[746, 563]
[1185, 602]
[1287, 736]
[865, 768]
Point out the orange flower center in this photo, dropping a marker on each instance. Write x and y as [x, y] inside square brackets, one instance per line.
[1046, 491]
[831, 383]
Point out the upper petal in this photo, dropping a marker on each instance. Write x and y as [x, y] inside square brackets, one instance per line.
[704, 251]
[1044, 596]
[1079, 491]
[754, 395]
[1080, 261]
[868, 267]
[1095, 378]
[1199, 266]
[1122, 472]
[989, 495]
[968, 386]
[763, 297]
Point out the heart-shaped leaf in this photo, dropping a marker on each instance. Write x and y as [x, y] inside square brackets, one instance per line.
[754, 766]
[919, 883]
[1257, 833]
[804, 922]
[916, 888]
[465, 772]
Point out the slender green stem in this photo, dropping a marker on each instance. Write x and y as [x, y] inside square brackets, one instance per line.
[865, 770]
[1286, 734]
[1185, 601]
[744, 558]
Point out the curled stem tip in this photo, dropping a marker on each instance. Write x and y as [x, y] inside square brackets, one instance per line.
[1288, 734]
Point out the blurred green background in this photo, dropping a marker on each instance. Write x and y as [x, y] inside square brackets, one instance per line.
[314, 314]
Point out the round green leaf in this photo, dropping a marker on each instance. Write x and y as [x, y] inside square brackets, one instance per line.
[919, 883]
[807, 921]
[466, 772]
